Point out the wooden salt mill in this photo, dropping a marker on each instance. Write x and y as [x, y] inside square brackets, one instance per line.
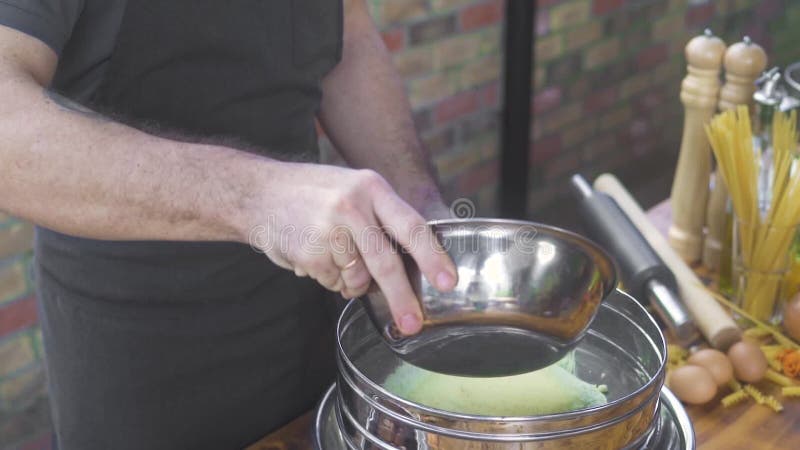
[699, 92]
[744, 62]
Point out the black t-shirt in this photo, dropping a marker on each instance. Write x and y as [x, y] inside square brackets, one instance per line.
[165, 345]
[81, 32]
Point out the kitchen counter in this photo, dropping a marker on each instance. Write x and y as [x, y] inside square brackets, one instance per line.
[747, 426]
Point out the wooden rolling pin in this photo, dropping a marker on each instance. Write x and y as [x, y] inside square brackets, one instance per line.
[744, 63]
[714, 323]
[699, 92]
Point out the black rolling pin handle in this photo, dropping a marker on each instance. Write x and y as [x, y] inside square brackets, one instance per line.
[608, 225]
[643, 272]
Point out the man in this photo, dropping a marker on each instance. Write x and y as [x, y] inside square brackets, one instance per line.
[163, 328]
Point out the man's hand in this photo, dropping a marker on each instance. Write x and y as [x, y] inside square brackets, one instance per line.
[338, 226]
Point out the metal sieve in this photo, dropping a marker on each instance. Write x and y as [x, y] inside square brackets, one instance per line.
[623, 349]
[671, 430]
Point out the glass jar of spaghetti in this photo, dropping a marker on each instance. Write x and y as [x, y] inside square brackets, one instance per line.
[761, 261]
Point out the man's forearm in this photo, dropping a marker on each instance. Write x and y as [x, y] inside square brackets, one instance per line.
[81, 174]
[367, 115]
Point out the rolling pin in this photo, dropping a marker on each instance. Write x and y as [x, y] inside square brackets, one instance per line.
[689, 196]
[714, 323]
[644, 274]
[744, 62]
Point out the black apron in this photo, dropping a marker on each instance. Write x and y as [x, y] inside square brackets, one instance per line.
[181, 345]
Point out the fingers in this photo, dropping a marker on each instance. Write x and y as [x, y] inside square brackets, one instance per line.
[409, 229]
[324, 270]
[353, 272]
[387, 270]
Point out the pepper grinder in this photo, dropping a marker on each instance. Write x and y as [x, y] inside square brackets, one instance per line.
[689, 197]
[744, 61]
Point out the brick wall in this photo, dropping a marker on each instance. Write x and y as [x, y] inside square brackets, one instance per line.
[23, 409]
[607, 81]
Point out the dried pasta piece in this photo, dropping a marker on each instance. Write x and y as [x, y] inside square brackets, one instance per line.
[735, 385]
[783, 340]
[757, 333]
[774, 348]
[773, 403]
[790, 391]
[734, 398]
[774, 364]
[771, 352]
[676, 355]
[778, 379]
[757, 395]
[779, 337]
[766, 400]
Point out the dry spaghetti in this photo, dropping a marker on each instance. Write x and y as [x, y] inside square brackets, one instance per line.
[764, 236]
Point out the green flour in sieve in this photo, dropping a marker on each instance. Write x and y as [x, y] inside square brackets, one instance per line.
[551, 390]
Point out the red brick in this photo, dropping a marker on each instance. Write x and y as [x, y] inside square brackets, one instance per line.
[17, 315]
[483, 175]
[652, 56]
[638, 129]
[545, 3]
[547, 99]
[559, 167]
[43, 442]
[768, 9]
[600, 100]
[579, 88]
[652, 99]
[456, 106]
[432, 29]
[542, 22]
[643, 147]
[489, 95]
[395, 40]
[758, 33]
[699, 15]
[605, 6]
[481, 15]
[599, 147]
[545, 148]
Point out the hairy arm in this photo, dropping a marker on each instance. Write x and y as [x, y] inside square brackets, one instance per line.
[367, 115]
[68, 169]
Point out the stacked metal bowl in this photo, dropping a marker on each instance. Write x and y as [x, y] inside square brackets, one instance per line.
[622, 349]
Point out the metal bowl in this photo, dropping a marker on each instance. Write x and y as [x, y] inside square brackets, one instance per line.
[523, 289]
[623, 349]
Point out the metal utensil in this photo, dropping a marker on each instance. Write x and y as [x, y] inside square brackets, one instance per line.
[672, 429]
[623, 349]
[526, 295]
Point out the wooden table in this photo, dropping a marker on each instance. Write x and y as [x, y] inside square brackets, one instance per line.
[747, 426]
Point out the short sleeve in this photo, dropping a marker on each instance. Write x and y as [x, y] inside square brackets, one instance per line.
[50, 21]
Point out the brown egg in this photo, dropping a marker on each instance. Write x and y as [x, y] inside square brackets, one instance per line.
[791, 317]
[692, 384]
[749, 363]
[715, 362]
